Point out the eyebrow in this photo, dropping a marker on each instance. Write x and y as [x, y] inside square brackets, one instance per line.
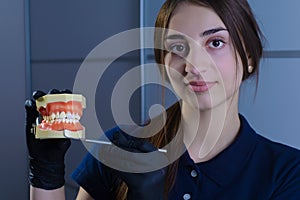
[204, 34]
[175, 37]
[212, 31]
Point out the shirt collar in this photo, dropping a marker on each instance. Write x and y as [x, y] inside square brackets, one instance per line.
[227, 164]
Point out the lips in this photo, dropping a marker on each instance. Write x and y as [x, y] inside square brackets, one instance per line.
[200, 86]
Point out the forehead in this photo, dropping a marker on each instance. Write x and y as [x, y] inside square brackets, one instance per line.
[192, 20]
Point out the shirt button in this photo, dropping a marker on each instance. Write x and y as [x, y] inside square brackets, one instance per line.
[194, 173]
[186, 196]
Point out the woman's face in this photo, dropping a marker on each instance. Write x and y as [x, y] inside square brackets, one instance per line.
[201, 62]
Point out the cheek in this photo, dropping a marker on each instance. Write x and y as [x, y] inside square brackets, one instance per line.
[228, 67]
[231, 73]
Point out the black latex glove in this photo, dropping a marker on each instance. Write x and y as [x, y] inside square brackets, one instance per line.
[46, 156]
[143, 185]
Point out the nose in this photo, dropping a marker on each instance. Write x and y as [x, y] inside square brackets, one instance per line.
[197, 61]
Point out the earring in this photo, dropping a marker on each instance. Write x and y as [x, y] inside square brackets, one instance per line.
[250, 69]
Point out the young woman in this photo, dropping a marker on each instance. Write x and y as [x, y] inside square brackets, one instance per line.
[207, 48]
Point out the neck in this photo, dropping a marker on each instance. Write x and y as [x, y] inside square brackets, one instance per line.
[208, 132]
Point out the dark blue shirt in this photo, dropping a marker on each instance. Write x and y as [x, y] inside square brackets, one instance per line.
[251, 168]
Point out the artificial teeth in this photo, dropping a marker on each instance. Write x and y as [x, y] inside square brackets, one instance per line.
[62, 115]
[77, 117]
[69, 115]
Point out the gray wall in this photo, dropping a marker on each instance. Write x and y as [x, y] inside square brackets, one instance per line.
[274, 111]
[62, 34]
[58, 36]
[13, 170]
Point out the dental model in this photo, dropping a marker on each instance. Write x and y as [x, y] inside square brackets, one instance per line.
[61, 114]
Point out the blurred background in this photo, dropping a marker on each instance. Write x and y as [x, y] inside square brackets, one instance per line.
[43, 44]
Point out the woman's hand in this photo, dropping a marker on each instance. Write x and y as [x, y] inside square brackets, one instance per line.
[46, 156]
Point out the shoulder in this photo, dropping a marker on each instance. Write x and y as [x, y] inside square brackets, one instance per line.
[278, 151]
[275, 160]
[283, 163]
[274, 151]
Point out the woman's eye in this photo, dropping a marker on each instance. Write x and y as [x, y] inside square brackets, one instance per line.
[178, 49]
[216, 44]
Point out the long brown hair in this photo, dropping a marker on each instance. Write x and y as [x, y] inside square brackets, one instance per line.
[247, 41]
